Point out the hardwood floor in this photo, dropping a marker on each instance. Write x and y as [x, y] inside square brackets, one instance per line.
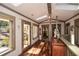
[58, 48]
[41, 48]
[38, 49]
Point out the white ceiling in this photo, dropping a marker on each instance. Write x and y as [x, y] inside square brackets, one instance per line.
[63, 10]
[36, 10]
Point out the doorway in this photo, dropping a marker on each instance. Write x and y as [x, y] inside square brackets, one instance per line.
[54, 27]
[45, 32]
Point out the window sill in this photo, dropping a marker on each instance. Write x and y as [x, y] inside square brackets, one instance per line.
[4, 50]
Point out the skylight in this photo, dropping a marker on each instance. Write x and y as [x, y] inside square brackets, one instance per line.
[42, 17]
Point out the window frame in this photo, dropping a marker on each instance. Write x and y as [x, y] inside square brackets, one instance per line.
[27, 22]
[76, 27]
[13, 36]
[37, 31]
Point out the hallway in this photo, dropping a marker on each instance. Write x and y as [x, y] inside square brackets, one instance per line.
[39, 29]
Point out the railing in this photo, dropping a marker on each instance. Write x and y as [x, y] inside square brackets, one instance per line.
[70, 50]
[67, 49]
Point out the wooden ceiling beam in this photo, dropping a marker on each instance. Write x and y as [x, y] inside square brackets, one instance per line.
[49, 9]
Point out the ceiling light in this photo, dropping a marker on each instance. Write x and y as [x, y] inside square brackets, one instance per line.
[16, 4]
[41, 17]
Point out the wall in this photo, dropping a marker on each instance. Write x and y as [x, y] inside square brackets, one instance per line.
[18, 33]
[71, 21]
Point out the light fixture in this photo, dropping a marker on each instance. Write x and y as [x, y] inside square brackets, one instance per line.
[16, 4]
[42, 17]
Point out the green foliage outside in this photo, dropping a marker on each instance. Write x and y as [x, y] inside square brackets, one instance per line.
[3, 23]
[5, 39]
[5, 42]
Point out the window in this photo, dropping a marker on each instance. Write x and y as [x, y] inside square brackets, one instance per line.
[67, 27]
[67, 32]
[35, 31]
[76, 33]
[26, 34]
[6, 33]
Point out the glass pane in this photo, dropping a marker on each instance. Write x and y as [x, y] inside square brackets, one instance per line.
[35, 31]
[26, 35]
[4, 34]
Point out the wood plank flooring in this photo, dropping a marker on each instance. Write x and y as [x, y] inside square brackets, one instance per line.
[58, 49]
[38, 49]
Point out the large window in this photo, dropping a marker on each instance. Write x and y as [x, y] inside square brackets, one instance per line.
[76, 32]
[26, 34]
[35, 31]
[67, 32]
[6, 33]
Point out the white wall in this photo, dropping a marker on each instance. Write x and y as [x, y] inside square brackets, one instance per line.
[18, 33]
[71, 21]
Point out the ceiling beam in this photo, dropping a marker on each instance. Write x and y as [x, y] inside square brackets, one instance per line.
[49, 9]
[51, 20]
